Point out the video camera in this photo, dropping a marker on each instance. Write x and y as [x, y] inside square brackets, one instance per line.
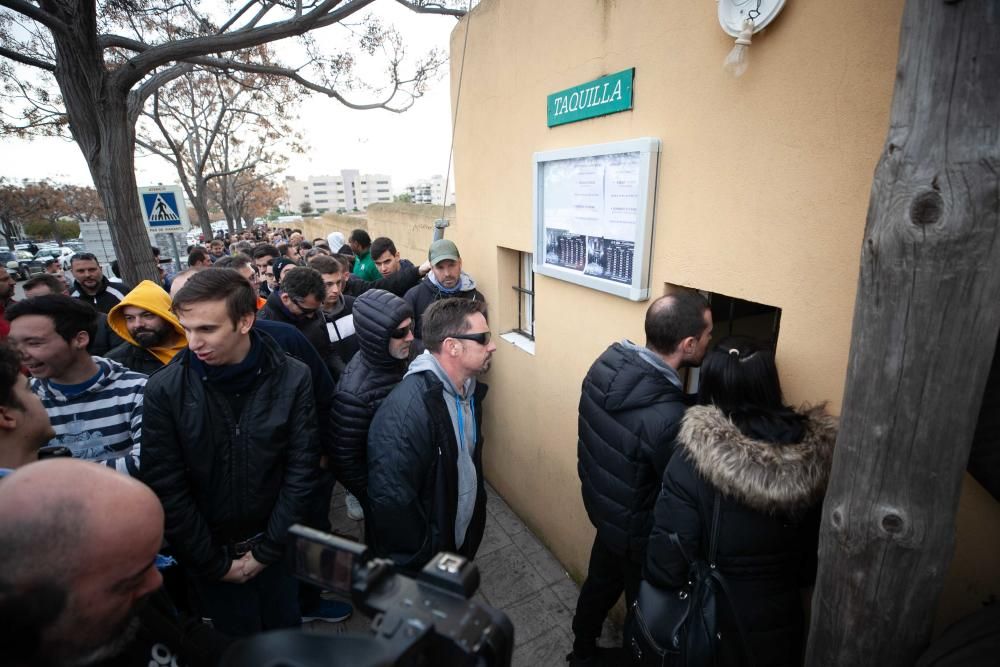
[429, 620]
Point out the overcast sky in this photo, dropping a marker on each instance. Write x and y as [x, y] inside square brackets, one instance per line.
[407, 146]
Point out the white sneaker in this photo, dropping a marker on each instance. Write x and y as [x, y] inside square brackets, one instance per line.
[354, 509]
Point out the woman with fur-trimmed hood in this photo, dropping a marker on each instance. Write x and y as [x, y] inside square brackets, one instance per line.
[770, 465]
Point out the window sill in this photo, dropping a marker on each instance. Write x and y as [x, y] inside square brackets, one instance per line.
[519, 341]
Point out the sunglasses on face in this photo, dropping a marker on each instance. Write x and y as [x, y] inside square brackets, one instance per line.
[305, 311]
[481, 338]
[401, 332]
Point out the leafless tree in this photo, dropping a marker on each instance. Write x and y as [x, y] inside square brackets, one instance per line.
[108, 58]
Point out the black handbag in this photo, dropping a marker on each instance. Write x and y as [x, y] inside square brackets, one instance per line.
[680, 627]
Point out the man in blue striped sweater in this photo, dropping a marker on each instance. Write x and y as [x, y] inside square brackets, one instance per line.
[94, 404]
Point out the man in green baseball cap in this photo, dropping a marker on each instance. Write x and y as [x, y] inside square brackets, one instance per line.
[446, 280]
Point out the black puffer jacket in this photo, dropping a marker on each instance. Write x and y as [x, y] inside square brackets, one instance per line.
[413, 476]
[629, 416]
[367, 380]
[135, 358]
[768, 523]
[220, 481]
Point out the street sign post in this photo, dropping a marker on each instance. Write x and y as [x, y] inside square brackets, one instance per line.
[164, 210]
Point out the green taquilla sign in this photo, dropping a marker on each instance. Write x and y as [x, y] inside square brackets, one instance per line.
[600, 97]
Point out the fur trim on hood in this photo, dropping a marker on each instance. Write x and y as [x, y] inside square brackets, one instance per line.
[771, 478]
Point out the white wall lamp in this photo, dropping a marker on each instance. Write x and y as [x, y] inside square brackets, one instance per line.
[741, 19]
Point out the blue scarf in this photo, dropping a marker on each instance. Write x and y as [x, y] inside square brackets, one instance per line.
[233, 378]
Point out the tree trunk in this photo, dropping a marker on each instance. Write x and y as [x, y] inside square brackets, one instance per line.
[99, 121]
[114, 176]
[924, 334]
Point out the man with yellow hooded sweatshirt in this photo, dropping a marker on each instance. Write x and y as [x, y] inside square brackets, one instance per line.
[151, 331]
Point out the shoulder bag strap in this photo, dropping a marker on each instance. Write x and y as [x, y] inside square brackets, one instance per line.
[713, 539]
[721, 581]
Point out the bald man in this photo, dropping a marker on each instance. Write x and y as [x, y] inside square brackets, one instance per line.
[62, 527]
[78, 544]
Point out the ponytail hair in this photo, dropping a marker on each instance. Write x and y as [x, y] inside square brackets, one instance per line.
[739, 376]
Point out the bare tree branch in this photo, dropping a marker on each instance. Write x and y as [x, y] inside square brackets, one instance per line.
[138, 97]
[236, 17]
[26, 60]
[34, 13]
[152, 57]
[432, 8]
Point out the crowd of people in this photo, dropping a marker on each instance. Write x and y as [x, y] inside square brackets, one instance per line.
[186, 424]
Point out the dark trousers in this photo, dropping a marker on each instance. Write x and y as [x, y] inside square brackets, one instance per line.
[269, 601]
[608, 576]
[319, 518]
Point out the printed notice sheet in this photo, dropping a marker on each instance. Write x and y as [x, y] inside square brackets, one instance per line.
[591, 213]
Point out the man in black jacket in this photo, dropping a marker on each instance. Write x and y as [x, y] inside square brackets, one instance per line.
[446, 280]
[337, 312]
[425, 445]
[231, 449]
[384, 328]
[399, 283]
[299, 302]
[91, 285]
[630, 411]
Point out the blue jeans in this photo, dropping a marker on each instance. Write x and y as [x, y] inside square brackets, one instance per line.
[269, 601]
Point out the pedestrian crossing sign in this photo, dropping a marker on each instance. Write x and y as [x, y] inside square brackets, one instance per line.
[163, 208]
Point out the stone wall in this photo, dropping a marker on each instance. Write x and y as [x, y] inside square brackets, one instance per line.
[410, 226]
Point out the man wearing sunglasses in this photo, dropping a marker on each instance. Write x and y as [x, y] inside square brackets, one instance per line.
[384, 330]
[425, 445]
[299, 302]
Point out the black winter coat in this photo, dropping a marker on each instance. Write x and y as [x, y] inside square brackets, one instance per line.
[135, 358]
[629, 416]
[221, 481]
[335, 354]
[768, 526]
[368, 379]
[424, 294]
[398, 283]
[109, 294]
[104, 340]
[413, 476]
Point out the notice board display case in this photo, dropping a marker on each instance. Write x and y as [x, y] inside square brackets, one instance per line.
[593, 215]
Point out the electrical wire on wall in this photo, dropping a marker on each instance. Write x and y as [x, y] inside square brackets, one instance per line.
[454, 119]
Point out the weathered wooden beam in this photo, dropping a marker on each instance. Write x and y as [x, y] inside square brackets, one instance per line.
[925, 327]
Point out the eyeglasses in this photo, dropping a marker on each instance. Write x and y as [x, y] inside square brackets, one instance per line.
[481, 338]
[401, 332]
[305, 311]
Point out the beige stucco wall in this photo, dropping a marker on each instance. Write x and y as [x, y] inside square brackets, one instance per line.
[762, 193]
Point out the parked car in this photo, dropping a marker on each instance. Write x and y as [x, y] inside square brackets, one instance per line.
[59, 252]
[17, 263]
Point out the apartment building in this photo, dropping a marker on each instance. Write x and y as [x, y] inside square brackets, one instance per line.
[348, 191]
[430, 191]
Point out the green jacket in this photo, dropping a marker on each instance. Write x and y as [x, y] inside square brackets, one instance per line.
[364, 267]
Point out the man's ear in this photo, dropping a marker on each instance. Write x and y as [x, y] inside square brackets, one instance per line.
[8, 418]
[246, 323]
[689, 345]
[81, 340]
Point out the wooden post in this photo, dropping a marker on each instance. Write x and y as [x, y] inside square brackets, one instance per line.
[925, 329]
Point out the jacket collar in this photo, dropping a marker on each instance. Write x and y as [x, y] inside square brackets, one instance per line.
[771, 478]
